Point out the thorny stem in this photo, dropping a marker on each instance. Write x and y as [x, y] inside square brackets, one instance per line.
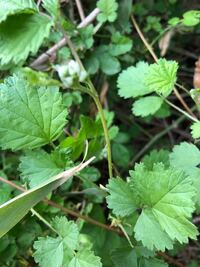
[90, 220]
[150, 49]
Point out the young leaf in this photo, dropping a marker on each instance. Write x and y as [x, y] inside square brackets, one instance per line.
[37, 166]
[146, 106]
[21, 35]
[29, 116]
[121, 198]
[195, 130]
[15, 209]
[49, 252]
[108, 10]
[12, 7]
[131, 81]
[162, 76]
[85, 258]
[191, 18]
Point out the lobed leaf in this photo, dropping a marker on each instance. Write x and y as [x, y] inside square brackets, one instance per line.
[162, 76]
[49, 252]
[108, 10]
[121, 199]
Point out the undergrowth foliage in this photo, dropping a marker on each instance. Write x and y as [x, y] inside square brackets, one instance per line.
[100, 186]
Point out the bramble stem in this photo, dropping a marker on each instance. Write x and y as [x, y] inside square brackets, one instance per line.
[106, 133]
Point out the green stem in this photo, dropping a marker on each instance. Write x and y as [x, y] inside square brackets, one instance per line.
[181, 111]
[106, 133]
[89, 89]
[42, 219]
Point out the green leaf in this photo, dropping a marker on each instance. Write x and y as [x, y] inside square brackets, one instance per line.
[125, 256]
[120, 44]
[49, 252]
[68, 230]
[191, 18]
[195, 130]
[12, 7]
[85, 258]
[131, 81]
[52, 6]
[21, 35]
[185, 156]
[109, 65]
[174, 21]
[108, 10]
[121, 155]
[162, 76]
[15, 209]
[148, 230]
[37, 166]
[29, 116]
[167, 200]
[156, 156]
[121, 198]
[146, 106]
[85, 38]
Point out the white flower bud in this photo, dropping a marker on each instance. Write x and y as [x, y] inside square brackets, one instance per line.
[62, 70]
[83, 75]
[74, 68]
[68, 81]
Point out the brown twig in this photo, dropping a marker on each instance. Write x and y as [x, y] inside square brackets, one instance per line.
[90, 220]
[148, 46]
[47, 55]
[170, 260]
[80, 9]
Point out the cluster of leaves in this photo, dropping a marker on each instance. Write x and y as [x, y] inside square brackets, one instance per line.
[49, 134]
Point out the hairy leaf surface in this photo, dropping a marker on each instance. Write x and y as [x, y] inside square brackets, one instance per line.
[29, 116]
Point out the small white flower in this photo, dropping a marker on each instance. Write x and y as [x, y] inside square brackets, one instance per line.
[83, 75]
[74, 68]
[68, 81]
[62, 70]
